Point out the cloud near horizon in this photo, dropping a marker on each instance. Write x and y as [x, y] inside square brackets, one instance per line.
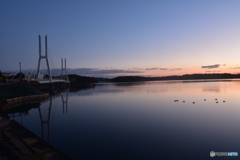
[213, 71]
[156, 68]
[175, 69]
[96, 71]
[235, 68]
[164, 69]
[211, 66]
[85, 71]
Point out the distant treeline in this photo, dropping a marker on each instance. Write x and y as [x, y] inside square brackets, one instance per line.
[183, 77]
[81, 80]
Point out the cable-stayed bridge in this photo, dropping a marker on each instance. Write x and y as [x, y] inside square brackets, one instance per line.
[50, 80]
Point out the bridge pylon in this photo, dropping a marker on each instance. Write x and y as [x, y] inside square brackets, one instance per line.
[43, 57]
[64, 69]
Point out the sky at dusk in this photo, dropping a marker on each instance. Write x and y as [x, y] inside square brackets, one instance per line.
[109, 38]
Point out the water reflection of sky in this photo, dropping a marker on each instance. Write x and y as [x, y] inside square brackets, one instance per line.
[142, 121]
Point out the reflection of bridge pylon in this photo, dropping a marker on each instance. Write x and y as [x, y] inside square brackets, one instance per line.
[46, 121]
[65, 102]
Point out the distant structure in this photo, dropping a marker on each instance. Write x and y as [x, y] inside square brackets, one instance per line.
[43, 57]
[20, 67]
[64, 69]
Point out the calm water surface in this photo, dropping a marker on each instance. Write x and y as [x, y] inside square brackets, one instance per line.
[141, 120]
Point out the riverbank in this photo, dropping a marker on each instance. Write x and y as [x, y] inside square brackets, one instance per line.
[15, 93]
[17, 142]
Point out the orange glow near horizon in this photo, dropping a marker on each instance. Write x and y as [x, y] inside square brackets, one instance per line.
[190, 70]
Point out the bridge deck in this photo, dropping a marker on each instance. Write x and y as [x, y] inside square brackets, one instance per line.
[54, 81]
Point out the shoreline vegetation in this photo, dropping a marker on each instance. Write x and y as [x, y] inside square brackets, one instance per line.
[78, 80]
[175, 77]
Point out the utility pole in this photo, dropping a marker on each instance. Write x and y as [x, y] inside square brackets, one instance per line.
[20, 67]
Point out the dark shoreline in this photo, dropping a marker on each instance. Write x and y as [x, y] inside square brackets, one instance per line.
[182, 77]
[17, 142]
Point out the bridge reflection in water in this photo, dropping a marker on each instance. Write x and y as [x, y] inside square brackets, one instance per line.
[65, 102]
[39, 116]
[44, 111]
[45, 122]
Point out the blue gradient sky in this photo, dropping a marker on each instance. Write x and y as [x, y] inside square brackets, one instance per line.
[123, 37]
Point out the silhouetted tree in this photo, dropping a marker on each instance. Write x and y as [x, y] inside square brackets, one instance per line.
[20, 75]
[76, 79]
[46, 76]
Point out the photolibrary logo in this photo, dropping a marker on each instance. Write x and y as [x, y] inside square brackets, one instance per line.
[212, 153]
